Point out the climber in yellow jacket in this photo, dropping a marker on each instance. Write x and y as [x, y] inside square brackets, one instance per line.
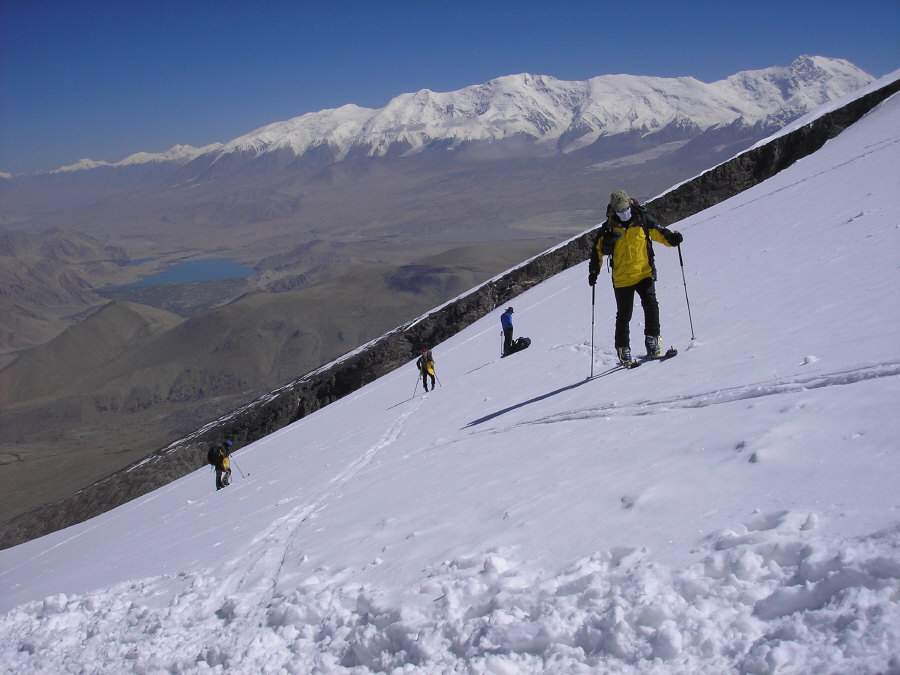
[425, 364]
[626, 238]
[217, 456]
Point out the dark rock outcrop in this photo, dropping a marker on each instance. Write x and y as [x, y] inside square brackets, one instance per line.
[334, 381]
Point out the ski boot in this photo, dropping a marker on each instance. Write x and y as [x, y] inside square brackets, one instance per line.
[653, 344]
[625, 357]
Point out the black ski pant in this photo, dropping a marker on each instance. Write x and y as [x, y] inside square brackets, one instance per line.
[425, 376]
[223, 477]
[507, 341]
[646, 290]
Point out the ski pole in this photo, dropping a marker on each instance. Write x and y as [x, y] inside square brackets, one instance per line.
[684, 281]
[593, 301]
[417, 385]
[238, 468]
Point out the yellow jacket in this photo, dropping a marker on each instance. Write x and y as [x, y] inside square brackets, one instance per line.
[221, 459]
[628, 246]
[426, 364]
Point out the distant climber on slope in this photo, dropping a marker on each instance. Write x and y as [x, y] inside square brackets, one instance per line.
[425, 364]
[506, 323]
[218, 457]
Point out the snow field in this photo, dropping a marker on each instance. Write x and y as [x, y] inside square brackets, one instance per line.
[768, 597]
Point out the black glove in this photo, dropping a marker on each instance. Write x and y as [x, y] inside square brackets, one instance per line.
[592, 278]
[675, 238]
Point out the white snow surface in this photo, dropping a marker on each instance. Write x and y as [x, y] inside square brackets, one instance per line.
[732, 510]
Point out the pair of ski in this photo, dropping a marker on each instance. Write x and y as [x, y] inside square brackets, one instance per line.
[670, 352]
[634, 364]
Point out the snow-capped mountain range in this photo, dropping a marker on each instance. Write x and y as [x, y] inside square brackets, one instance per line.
[556, 115]
[181, 154]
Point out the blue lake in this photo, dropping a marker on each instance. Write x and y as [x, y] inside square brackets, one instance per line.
[197, 270]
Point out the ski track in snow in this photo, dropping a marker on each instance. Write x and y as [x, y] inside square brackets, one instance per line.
[241, 595]
[723, 396]
[270, 550]
[719, 396]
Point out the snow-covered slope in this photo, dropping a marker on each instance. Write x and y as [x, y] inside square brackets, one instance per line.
[732, 510]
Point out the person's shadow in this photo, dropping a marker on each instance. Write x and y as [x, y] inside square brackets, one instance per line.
[493, 415]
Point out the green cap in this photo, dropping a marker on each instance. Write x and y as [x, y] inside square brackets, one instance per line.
[619, 200]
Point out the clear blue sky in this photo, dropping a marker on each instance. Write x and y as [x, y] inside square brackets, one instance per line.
[106, 78]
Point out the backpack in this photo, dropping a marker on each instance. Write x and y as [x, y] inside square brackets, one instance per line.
[519, 344]
[213, 455]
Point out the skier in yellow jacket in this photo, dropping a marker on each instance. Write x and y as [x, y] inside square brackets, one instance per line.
[425, 364]
[626, 237]
[218, 457]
